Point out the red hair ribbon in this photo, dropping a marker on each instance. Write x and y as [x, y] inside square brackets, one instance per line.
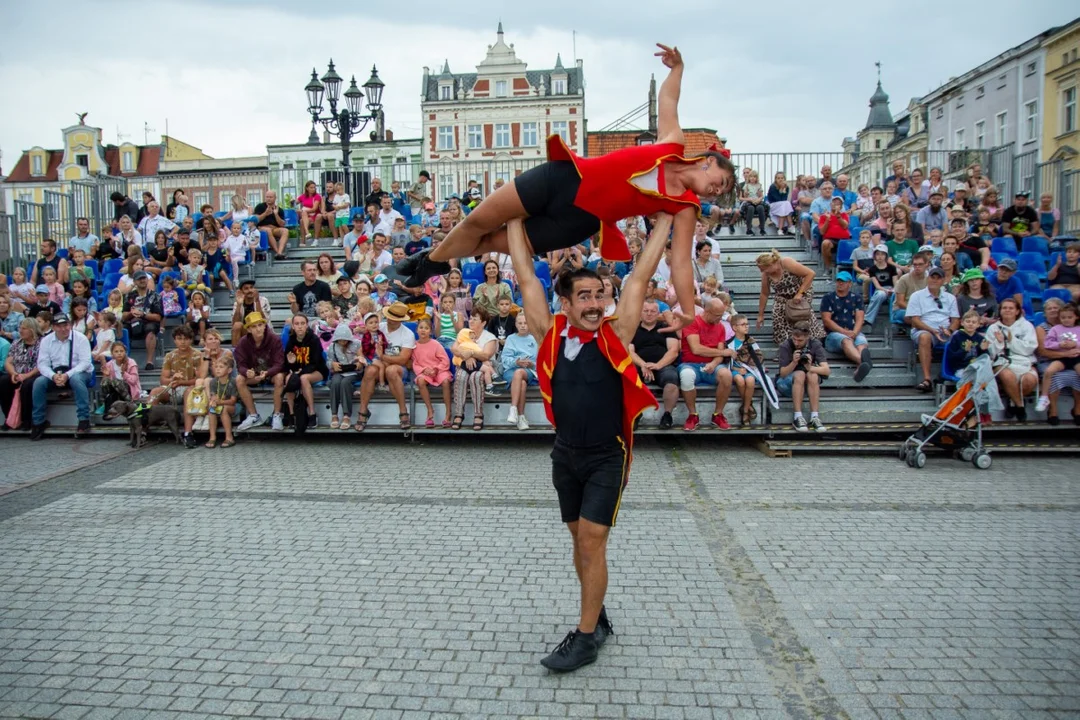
[723, 151]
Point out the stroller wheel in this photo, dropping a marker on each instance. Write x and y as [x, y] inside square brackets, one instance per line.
[909, 458]
[982, 461]
[903, 451]
[967, 454]
[919, 460]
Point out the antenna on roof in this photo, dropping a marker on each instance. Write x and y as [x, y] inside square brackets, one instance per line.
[146, 133]
[120, 137]
[575, 45]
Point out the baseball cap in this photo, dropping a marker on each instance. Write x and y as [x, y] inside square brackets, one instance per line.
[881, 248]
[343, 278]
[42, 290]
[936, 192]
[247, 282]
[935, 272]
[1022, 193]
[1007, 264]
[843, 276]
[141, 275]
[60, 319]
[381, 278]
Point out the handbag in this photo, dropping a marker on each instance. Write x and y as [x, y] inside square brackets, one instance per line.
[197, 402]
[14, 416]
[798, 309]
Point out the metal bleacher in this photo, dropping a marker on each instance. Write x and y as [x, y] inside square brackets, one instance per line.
[883, 408]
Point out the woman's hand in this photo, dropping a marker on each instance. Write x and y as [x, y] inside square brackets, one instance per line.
[760, 322]
[670, 56]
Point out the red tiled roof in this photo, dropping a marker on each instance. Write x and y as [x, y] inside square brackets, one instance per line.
[600, 143]
[149, 160]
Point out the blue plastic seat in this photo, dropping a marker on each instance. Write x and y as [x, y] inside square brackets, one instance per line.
[62, 252]
[1031, 282]
[473, 271]
[947, 373]
[1036, 243]
[167, 273]
[221, 213]
[291, 219]
[196, 218]
[1059, 293]
[109, 283]
[93, 265]
[113, 266]
[1038, 319]
[1032, 262]
[126, 339]
[844, 250]
[998, 257]
[1004, 245]
[412, 326]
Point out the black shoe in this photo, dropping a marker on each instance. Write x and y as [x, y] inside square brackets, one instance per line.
[1053, 420]
[1021, 413]
[576, 649]
[604, 630]
[731, 229]
[425, 268]
[312, 421]
[189, 441]
[665, 424]
[1010, 411]
[83, 429]
[37, 432]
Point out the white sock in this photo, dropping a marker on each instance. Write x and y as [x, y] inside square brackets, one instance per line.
[813, 415]
[798, 414]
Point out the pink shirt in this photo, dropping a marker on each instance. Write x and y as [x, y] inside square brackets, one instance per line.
[430, 354]
[309, 201]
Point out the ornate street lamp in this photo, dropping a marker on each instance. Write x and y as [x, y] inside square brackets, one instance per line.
[351, 119]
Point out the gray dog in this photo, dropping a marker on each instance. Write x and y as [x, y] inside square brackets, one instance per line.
[141, 418]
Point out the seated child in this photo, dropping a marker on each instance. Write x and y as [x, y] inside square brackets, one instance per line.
[191, 274]
[743, 368]
[431, 365]
[120, 376]
[217, 264]
[372, 344]
[106, 336]
[965, 345]
[198, 314]
[1063, 338]
[222, 403]
[170, 298]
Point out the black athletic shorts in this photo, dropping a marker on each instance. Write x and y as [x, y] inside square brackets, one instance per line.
[667, 375]
[590, 482]
[139, 329]
[547, 191]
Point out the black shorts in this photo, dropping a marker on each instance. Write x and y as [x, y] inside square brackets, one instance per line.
[667, 375]
[547, 192]
[590, 482]
[139, 329]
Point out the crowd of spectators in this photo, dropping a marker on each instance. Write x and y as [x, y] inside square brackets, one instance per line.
[924, 261]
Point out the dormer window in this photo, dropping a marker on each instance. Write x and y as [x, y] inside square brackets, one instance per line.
[446, 92]
[500, 88]
[558, 86]
[36, 164]
[128, 161]
[82, 160]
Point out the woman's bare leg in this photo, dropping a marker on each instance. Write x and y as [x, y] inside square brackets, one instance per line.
[468, 237]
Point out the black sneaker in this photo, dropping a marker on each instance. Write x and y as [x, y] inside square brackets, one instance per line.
[189, 441]
[665, 424]
[83, 429]
[604, 630]
[1021, 413]
[312, 421]
[37, 432]
[424, 268]
[576, 650]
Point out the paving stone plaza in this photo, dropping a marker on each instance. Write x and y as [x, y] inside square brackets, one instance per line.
[391, 580]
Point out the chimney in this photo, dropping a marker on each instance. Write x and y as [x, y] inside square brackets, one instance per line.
[653, 123]
[389, 135]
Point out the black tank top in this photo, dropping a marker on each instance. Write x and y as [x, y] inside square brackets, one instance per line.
[586, 399]
[1067, 275]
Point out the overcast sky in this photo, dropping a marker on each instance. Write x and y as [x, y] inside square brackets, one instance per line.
[228, 76]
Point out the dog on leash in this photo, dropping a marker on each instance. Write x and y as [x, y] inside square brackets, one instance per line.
[142, 417]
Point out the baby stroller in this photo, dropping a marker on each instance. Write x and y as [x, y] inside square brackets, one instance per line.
[957, 425]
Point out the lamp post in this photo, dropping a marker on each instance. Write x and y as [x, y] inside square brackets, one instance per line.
[351, 120]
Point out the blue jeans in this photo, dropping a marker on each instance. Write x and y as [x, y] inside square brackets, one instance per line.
[834, 341]
[897, 316]
[76, 382]
[877, 298]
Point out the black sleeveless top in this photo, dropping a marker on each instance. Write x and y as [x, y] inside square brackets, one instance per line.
[586, 399]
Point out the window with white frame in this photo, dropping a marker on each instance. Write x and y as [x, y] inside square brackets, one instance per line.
[446, 92]
[1068, 110]
[939, 144]
[980, 134]
[127, 163]
[446, 137]
[960, 139]
[560, 128]
[1030, 68]
[476, 137]
[1002, 81]
[37, 165]
[225, 200]
[960, 102]
[940, 112]
[529, 135]
[1031, 121]
[1001, 128]
[254, 197]
[25, 210]
[500, 88]
[446, 185]
[199, 199]
[558, 86]
[979, 92]
[502, 135]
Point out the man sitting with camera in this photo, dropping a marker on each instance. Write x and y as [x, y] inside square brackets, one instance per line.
[63, 362]
[802, 370]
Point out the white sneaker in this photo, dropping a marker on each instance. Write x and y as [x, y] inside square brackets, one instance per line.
[276, 422]
[249, 422]
[513, 416]
[522, 423]
[1043, 404]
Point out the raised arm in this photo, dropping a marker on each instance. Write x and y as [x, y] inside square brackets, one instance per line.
[667, 100]
[533, 297]
[628, 311]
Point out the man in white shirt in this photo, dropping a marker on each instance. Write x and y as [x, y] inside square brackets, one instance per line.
[155, 221]
[83, 239]
[396, 356]
[63, 362]
[387, 213]
[934, 316]
[382, 257]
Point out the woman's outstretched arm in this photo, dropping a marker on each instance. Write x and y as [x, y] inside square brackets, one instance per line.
[667, 101]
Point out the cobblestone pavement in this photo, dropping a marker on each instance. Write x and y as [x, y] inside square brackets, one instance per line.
[24, 463]
[386, 580]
